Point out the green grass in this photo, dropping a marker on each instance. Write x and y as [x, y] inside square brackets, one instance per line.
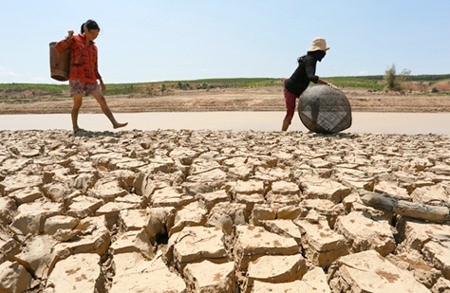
[369, 82]
[19, 91]
[156, 88]
[47, 88]
[428, 77]
[122, 89]
[236, 82]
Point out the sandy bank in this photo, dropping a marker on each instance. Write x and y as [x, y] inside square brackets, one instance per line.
[228, 99]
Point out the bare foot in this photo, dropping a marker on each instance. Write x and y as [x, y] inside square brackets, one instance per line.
[119, 125]
[77, 129]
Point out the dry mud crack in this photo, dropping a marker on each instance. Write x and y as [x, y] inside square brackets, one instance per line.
[220, 211]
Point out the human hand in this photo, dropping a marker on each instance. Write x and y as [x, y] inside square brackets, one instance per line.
[102, 85]
[332, 86]
[69, 34]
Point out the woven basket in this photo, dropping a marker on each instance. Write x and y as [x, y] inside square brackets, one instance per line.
[323, 109]
[59, 63]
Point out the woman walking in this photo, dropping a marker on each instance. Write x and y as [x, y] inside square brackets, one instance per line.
[305, 73]
[84, 73]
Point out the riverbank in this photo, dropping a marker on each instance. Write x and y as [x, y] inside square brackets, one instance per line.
[189, 210]
[222, 99]
[362, 122]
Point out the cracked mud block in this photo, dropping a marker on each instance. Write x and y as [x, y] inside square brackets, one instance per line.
[253, 242]
[368, 271]
[363, 233]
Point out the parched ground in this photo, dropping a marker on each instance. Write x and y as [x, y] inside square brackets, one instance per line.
[244, 99]
[221, 211]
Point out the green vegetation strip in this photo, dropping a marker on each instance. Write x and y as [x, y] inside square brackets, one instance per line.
[375, 82]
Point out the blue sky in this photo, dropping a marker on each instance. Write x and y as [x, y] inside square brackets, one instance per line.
[149, 40]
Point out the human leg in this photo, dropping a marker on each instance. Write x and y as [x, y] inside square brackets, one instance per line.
[102, 102]
[77, 91]
[77, 102]
[290, 109]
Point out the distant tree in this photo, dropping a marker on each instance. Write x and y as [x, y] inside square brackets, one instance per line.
[404, 75]
[406, 72]
[391, 79]
[203, 86]
[183, 86]
[163, 88]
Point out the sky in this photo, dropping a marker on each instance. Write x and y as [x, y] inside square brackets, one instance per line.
[146, 40]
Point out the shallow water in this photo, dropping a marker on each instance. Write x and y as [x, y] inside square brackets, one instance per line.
[363, 122]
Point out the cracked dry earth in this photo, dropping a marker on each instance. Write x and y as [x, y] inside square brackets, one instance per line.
[220, 211]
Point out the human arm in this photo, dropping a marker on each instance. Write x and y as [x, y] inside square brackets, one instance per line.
[65, 44]
[96, 72]
[310, 68]
[99, 77]
[321, 81]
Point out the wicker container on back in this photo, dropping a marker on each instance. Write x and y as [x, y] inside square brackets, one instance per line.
[323, 109]
[59, 63]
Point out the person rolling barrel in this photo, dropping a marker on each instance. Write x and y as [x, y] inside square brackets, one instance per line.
[302, 76]
[84, 73]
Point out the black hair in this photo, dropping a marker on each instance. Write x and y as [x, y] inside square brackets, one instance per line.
[90, 25]
[318, 55]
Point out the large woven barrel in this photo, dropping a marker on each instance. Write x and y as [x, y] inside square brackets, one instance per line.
[59, 63]
[323, 109]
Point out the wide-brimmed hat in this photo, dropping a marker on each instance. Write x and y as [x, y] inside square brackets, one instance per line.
[318, 44]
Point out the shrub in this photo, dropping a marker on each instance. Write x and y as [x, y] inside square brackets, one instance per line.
[391, 79]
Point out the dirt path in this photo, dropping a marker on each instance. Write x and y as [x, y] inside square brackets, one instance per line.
[260, 99]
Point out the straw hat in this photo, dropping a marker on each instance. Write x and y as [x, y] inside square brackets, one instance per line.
[318, 44]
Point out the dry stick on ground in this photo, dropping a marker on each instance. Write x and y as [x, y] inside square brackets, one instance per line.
[406, 208]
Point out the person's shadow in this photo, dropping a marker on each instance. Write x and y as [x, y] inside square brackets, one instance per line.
[87, 133]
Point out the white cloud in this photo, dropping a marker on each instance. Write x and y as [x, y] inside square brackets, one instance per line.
[7, 75]
[4, 71]
[10, 76]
